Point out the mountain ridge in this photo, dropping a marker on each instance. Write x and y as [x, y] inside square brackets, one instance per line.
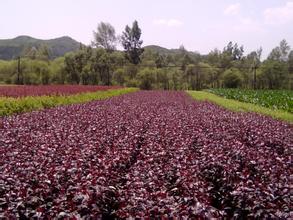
[166, 51]
[12, 48]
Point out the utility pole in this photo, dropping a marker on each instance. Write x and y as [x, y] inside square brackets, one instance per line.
[18, 70]
[254, 77]
[254, 73]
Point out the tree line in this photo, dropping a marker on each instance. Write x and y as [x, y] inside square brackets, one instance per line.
[102, 64]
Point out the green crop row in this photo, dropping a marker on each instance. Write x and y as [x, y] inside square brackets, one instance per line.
[9, 106]
[237, 106]
[273, 99]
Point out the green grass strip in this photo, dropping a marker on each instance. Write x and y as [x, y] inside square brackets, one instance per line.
[237, 106]
[9, 106]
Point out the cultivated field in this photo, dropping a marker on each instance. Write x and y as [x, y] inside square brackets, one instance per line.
[274, 99]
[19, 99]
[145, 154]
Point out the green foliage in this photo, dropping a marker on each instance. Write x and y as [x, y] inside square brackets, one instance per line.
[10, 106]
[280, 53]
[241, 106]
[131, 43]
[232, 78]
[274, 99]
[171, 69]
[105, 36]
[7, 70]
[120, 77]
[274, 74]
[162, 79]
[233, 51]
[57, 71]
[146, 78]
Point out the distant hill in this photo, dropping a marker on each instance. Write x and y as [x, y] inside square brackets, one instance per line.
[12, 48]
[158, 49]
[165, 51]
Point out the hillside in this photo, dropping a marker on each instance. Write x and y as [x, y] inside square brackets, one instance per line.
[158, 49]
[11, 48]
[165, 51]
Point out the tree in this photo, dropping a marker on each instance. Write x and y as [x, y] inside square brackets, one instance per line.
[237, 52]
[162, 78]
[284, 50]
[274, 73]
[31, 53]
[280, 53]
[70, 69]
[232, 78]
[182, 58]
[276, 69]
[105, 37]
[146, 78]
[57, 70]
[119, 77]
[43, 52]
[214, 57]
[159, 60]
[253, 61]
[231, 53]
[275, 54]
[131, 43]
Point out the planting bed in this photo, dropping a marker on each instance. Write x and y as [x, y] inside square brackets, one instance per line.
[145, 154]
[22, 91]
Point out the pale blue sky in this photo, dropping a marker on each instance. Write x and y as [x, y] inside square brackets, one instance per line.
[200, 25]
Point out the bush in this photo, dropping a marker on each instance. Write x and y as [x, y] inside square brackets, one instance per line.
[232, 78]
[119, 77]
[146, 78]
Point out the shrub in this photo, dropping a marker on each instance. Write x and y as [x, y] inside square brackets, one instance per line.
[232, 78]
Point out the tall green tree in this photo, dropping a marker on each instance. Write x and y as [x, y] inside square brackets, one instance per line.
[284, 49]
[214, 57]
[275, 70]
[281, 52]
[131, 43]
[105, 37]
[231, 54]
[43, 52]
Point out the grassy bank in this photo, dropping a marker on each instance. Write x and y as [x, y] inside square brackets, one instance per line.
[241, 106]
[9, 106]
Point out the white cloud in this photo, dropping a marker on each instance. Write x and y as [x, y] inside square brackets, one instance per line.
[248, 25]
[279, 15]
[232, 9]
[168, 22]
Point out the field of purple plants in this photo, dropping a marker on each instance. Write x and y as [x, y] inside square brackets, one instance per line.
[146, 154]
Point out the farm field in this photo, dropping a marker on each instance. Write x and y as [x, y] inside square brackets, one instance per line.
[237, 106]
[62, 95]
[274, 99]
[151, 154]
